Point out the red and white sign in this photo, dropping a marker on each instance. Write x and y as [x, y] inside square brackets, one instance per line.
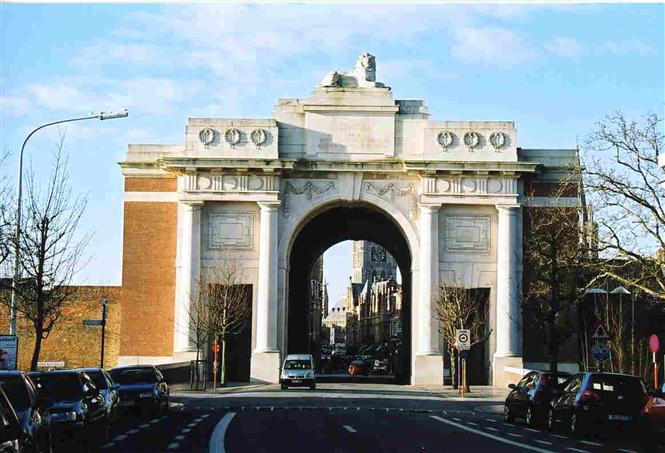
[654, 344]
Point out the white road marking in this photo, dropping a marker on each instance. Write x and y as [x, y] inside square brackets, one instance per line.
[186, 430]
[491, 436]
[595, 444]
[191, 425]
[216, 444]
[472, 424]
[173, 446]
[457, 419]
[491, 420]
[577, 450]
[120, 438]
[559, 436]
[132, 431]
[625, 450]
[349, 428]
[491, 429]
[180, 437]
[532, 430]
[145, 425]
[515, 435]
[152, 422]
[544, 442]
[108, 445]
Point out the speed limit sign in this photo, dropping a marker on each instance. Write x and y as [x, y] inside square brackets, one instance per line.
[463, 339]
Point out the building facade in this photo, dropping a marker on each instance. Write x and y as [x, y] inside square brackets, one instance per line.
[349, 162]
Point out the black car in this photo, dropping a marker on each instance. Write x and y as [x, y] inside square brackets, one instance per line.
[30, 410]
[530, 398]
[591, 399]
[11, 433]
[108, 389]
[142, 387]
[77, 413]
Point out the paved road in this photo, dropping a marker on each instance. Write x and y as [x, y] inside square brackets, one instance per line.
[340, 419]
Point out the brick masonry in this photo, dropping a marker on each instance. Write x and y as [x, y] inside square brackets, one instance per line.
[150, 184]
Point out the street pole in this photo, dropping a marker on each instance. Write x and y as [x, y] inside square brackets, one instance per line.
[19, 191]
[104, 304]
[632, 335]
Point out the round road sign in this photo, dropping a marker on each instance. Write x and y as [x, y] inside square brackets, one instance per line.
[600, 352]
[654, 344]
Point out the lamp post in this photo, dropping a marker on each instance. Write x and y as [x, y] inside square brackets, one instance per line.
[17, 259]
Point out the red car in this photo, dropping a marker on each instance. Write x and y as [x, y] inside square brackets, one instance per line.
[358, 368]
[654, 415]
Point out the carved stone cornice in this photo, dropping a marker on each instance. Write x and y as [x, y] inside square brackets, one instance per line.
[230, 182]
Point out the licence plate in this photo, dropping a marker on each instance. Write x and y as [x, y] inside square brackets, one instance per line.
[126, 403]
[623, 418]
[296, 381]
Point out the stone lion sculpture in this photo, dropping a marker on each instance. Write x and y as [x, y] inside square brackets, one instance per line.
[363, 74]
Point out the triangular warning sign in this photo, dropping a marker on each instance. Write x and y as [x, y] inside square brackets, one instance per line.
[600, 332]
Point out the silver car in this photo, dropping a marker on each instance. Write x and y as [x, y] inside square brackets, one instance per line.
[298, 371]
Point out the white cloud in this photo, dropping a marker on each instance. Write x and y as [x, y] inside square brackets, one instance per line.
[492, 46]
[107, 52]
[629, 46]
[566, 47]
[14, 106]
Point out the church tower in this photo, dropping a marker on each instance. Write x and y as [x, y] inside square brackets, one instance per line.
[370, 260]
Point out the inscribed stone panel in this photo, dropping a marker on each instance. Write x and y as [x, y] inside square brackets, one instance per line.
[466, 234]
[231, 230]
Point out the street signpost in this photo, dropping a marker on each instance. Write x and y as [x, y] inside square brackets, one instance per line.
[8, 352]
[600, 352]
[654, 346]
[99, 323]
[463, 344]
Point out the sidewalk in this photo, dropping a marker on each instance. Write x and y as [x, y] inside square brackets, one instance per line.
[230, 387]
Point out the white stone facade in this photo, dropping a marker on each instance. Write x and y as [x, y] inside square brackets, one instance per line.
[454, 188]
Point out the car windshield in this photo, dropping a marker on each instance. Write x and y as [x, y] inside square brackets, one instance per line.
[98, 379]
[625, 385]
[297, 365]
[549, 379]
[16, 392]
[60, 387]
[133, 376]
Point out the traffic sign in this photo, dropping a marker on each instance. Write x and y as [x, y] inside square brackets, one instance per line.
[93, 322]
[654, 344]
[600, 352]
[600, 333]
[463, 339]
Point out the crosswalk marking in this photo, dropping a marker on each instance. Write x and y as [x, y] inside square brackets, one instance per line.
[349, 428]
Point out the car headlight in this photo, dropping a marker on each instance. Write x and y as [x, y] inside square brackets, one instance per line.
[146, 395]
[285, 375]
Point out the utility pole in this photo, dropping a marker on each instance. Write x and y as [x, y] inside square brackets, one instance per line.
[105, 303]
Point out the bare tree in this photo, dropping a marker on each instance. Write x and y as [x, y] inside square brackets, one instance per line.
[225, 304]
[5, 210]
[458, 308]
[50, 248]
[555, 260]
[627, 189]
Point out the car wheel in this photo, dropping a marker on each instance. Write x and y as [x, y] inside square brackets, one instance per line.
[551, 424]
[508, 416]
[528, 418]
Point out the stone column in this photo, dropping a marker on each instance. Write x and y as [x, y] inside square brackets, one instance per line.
[508, 310]
[429, 360]
[265, 358]
[190, 267]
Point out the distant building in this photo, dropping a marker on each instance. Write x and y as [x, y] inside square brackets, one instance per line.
[317, 300]
[372, 262]
[335, 325]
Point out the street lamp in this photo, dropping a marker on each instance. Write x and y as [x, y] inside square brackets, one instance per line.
[101, 116]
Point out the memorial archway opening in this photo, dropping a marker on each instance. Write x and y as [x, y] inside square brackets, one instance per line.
[377, 324]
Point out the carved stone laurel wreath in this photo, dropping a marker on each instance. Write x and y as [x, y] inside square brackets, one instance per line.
[445, 139]
[232, 136]
[258, 137]
[498, 140]
[472, 139]
[207, 136]
[309, 189]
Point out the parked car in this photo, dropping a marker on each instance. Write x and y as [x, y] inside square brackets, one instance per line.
[653, 419]
[592, 399]
[530, 398]
[30, 410]
[11, 432]
[359, 368]
[77, 413]
[107, 388]
[142, 388]
[298, 371]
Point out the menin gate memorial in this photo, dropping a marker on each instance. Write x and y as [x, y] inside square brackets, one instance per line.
[451, 192]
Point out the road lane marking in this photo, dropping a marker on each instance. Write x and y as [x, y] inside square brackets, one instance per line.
[349, 428]
[577, 450]
[216, 444]
[559, 436]
[173, 446]
[186, 430]
[544, 442]
[120, 438]
[492, 429]
[625, 450]
[191, 425]
[515, 435]
[457, 419]
[532, 430]
[108, 445]
[595, 444]
[133, 431]
[491, 420]
[472, 424]
[145, 425]
[180, 437]
[491, 436]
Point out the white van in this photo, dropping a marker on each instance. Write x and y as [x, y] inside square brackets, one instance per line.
[298, 371]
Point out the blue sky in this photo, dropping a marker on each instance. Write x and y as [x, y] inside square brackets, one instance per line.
[553, 69]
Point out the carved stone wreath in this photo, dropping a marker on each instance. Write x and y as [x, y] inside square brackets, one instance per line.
[232, 136]
[391, 190]
[498, 140]
[472, 139]
[258, 137]
[207, 136]
[309, 189]
[445, 139]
